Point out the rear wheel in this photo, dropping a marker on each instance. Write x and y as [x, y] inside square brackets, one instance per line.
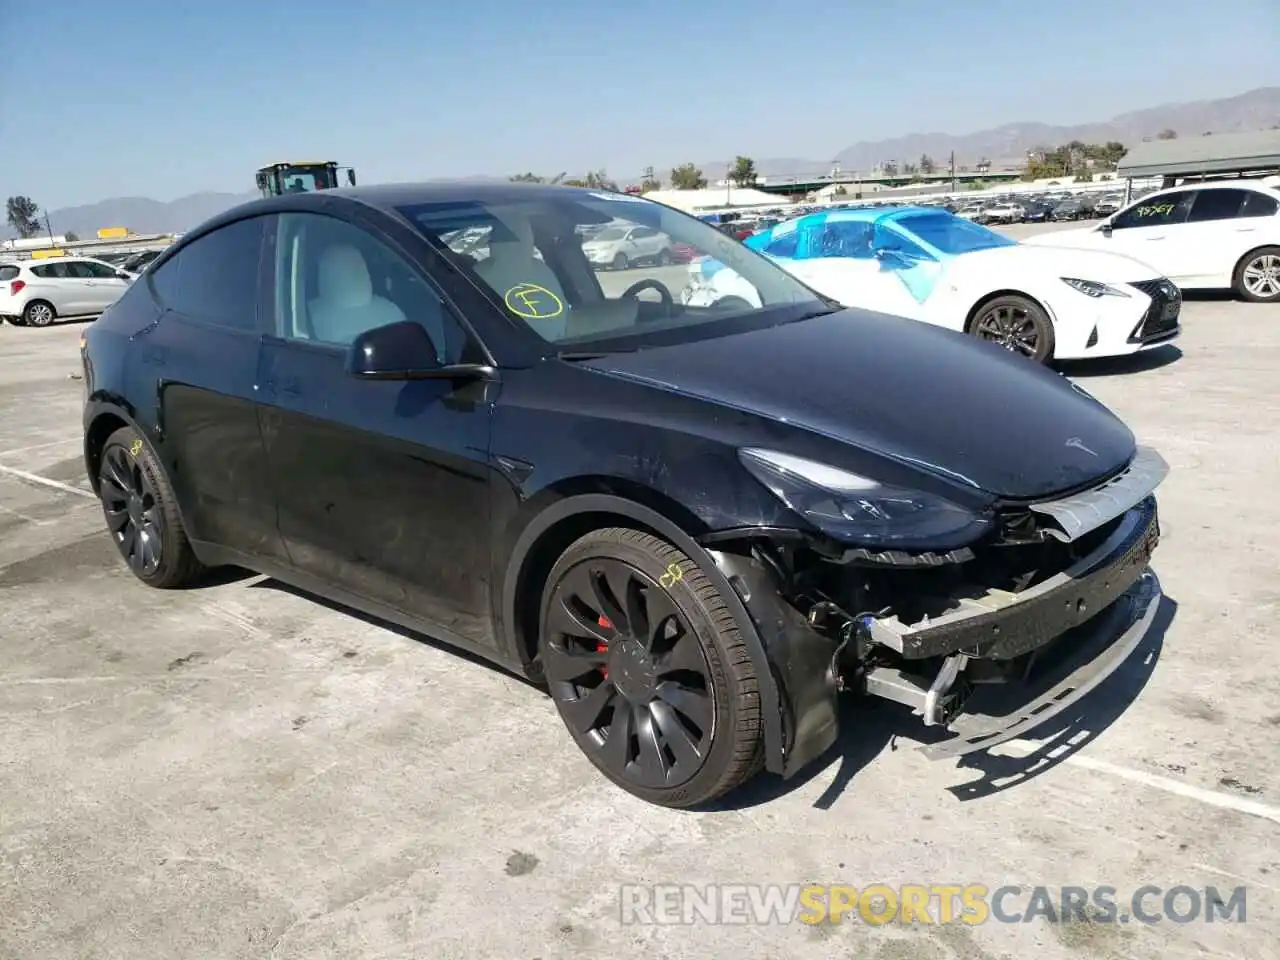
[38, 313]
[649, 670]
[1016, 323]
[142, 513]
[1257, 276]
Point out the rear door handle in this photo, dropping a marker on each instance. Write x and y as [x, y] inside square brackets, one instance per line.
[1245, 229]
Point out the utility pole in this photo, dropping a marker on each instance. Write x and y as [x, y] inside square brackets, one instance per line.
[953, 171]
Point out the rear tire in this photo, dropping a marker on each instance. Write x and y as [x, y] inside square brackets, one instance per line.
[1257, 276]
[1018, 324]
[38, 313]
[649, 670]
[141, 511]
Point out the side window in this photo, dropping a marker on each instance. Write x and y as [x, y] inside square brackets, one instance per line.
[1216, 205]
[1161, 211]
[44, 271]
[335, 280]
[8, 273]
[785, 245]
[215, 278]
[1258, 205]
[844, 238]
[883, 237]
[99, 271]
[79, 270]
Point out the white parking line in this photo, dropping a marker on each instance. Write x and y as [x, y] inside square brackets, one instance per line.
[40, 446]
[45, 481]
[1211, 798]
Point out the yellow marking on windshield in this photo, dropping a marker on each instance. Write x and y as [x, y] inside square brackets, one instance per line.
[533, 302]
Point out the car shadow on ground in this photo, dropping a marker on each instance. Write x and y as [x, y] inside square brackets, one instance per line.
[867, 728]
[1152, 359]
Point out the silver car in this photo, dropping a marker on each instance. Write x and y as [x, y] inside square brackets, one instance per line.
[35, 293]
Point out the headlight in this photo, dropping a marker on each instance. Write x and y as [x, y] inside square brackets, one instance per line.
[859, 510]
[1092, 288]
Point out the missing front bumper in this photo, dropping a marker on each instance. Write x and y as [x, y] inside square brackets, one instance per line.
[1088, 659]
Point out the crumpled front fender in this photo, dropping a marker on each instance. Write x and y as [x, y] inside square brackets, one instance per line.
[801, 659]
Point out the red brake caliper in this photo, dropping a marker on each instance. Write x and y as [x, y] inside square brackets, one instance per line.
[601, 645]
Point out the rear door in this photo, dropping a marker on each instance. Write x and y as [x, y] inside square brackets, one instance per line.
[57, 283]
[202, 356]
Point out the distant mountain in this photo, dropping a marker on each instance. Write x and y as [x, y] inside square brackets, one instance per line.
[1007, 145]
[140, 214]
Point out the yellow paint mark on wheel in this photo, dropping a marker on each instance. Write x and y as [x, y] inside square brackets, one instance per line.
[674, 574]
[135, 448]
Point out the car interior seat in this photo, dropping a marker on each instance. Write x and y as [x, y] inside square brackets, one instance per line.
[346, 305]
[512, 267]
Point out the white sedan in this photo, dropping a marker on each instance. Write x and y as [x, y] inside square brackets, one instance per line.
[1204, 236]
[929, 265]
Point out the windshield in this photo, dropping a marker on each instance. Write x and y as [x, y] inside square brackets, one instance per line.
[664, 277]
[950, 234]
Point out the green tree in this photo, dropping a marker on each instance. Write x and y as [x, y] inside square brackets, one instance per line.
[687, 177]
[24, 216]
[890, 169]
[1167, 134]
[536, 178]
[926, 164]
[743, 173]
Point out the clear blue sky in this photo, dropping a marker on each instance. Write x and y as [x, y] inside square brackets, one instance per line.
[101, 98]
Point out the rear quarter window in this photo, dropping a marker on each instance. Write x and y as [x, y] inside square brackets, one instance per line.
[8, 273]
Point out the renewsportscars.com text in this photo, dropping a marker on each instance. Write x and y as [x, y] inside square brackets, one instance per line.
[971, 904]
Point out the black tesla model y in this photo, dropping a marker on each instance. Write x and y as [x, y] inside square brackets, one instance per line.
[694, 522]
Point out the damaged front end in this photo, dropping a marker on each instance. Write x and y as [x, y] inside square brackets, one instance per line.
[1049, 602]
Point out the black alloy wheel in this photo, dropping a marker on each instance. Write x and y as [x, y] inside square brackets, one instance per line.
[642, 688]
[1017, 324]
[133, 513]
[141, 514]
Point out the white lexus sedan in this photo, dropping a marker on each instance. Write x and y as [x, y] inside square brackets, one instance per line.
[926, 264]
[1222, 235]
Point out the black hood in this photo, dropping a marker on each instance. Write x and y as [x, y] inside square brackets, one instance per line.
[921, 395]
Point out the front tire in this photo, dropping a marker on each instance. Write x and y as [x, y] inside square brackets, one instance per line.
[1257, 276]
[38, 313]
[649, 670]
[664, 257]
[1016, 323]
[142, 513]
[620, 262]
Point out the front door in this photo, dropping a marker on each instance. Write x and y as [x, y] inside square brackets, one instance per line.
[1149, 231]
[383, 486]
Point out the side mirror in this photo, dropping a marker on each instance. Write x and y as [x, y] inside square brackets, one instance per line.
[405, 351]
[122, 275]
[398, 351]
[1106, 228]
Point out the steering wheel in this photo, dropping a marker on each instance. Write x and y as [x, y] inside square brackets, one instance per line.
[732, 303]
[648, 283]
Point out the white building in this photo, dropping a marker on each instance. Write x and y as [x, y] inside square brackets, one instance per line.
[716, 198]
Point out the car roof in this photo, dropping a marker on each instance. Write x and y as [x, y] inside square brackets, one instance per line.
[1257, 185]
[389, 197]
